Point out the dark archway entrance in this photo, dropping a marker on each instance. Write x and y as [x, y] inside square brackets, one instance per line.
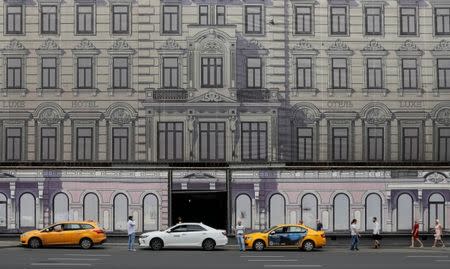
[209, 207]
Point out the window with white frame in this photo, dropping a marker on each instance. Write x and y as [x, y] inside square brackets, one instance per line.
[303, 20]
[254, 73]
[341, 212]
[49, 19]
[338, 20]
[253, 19]
[85, 74]
[14, 77]
[305, 144]
[443, 73]
[375, 144]
[27, 211]
[170, 72]
[339, 73]
[120, 212]
[3, 211]
[13, 144]
[254, 141]
[203, 15]
[48, 144]
[91, 207]
[120, 144]
[121, 19]
[410, 144]
[170, 141]
[120, 73]
[60, 207]
[49, 74]
[84, 144]
[374, 73]
[170, 23]
[212, 141]
[304, 73]
[85, 19]
[212, 72]
[374, 20]
[442, 21]
[14, 19]
[408, 21]
[150, 215]
[444, 144]
[220, 15]
[409, 74]
[340, 144]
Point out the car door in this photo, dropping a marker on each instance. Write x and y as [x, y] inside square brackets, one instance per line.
[72, 232]
[176, 236]
[295, 235]
[277, 237]
[195, 235]
[53, 235]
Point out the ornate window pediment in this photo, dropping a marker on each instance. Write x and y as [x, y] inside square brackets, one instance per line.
[121, 114]
[49, 114]
[441, 113]
[408, 49]
[339, 48]
[121, 46]
[376, 113]
[374, 48]
[86, 47]
[212, 97]
[442, 49]
[305, 48]
[435, 178]
[15, 47]
[304, 113]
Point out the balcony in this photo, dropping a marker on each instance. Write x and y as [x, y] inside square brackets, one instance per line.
[168, 95]
[257, 95]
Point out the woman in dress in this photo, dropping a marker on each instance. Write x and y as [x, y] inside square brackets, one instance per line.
[415, 235]
[438, 234]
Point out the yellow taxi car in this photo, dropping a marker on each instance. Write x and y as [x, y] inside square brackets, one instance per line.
[83, 233]
[286, 236]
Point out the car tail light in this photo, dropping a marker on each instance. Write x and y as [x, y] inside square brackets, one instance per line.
[323, 235]
[224, 233]
[99, 231]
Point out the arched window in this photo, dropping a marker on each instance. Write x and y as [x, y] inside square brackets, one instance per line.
[373, 209]
[60, 207]
[3, 211]
[27, 211]
[90, 207]
[309, 210]
[404, 212]
[120, 212]
[151, 209]
[244, 210]
[341, 212]
[436, 209]
[277, 210]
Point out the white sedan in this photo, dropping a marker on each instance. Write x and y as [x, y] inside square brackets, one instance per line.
[185, 235]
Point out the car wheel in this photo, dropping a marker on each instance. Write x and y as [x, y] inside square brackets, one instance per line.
[156, 244]
[308, 245]
[86, 243]
[259, 245]
[34, 243]
[208, 244]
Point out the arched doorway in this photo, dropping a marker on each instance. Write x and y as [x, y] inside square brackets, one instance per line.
[436, 210]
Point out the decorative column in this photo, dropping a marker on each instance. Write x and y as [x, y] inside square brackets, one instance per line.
[418, 210]
[324, 215]
[12, 203]
[40, 205]
[387, 213]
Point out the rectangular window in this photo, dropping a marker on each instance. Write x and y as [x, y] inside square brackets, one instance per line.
[49, 20]
[212, 141]
[170, 141]
[253, 19]
[304, 73]
[120, 73]
[375, 144]
[85, 19]
[84, 73]
[170, 19]
[212, 72]
[14, 17]
[410, 143]
[120, 144]
[49, 73]
[339, 73]
[338, 20]
[85, 145]
[254, 141]
[340, 144]
[48, 144]
[374, 21]
[408, 21]
[13, 145]
[121, 18]
[220, 15]
[443, 73]
[14, 73]
[203, 15]
[303, 20]
[170, 72]
[444, 144]
[305, 144]
[254, 73]
[442, 21]
[409, 73]
[374, 73]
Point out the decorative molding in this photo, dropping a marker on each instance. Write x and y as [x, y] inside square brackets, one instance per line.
[443, 116]
[15, 47]
[86, 47]
[441, 49]
[121, 44]
[436, 178]
[376, 113]
[170, 44]
[339, 48]
[409, 48]
[212, 46]
[120, 116]
[49, 116]
[257, 44]
[49, 44]
[305, 113]
[374, 48]
[212, 97]
[304, 47]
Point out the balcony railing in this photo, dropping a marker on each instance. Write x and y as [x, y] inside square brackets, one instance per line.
[256, 95]
[169, 95]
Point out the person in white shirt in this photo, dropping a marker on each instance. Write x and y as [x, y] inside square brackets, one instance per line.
[131, 227]
[240, 229]
[376, 233]
[355, 235]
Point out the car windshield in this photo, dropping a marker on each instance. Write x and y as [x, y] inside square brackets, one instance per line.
[270, 229]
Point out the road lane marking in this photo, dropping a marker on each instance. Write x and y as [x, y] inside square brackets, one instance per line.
[59, 264]
[73, 259]
[291, 260]
[292, 265]
[88, 255]
[442, 260]
[261, 256]
[423, 256]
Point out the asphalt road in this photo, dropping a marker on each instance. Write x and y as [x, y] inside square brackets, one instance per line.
[118, 257]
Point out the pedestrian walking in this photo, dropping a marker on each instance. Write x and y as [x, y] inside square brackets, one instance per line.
[240, 229]
[415, 235]
[438, 234]
[131, 227]
[319, 225]
[376, 233]
[355, 235]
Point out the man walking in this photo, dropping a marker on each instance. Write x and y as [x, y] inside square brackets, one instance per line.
[376, 233]
[355, 235]
[240, 229]
[131, 227]
[319, 225]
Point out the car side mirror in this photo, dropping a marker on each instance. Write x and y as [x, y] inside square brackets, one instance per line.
[168, 231]
[47, 230]
[272, 232]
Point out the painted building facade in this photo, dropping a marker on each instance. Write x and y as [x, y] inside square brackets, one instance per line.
[214, 111]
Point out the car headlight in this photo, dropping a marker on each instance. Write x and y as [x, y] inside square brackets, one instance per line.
[144, 236]
[247, 238]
